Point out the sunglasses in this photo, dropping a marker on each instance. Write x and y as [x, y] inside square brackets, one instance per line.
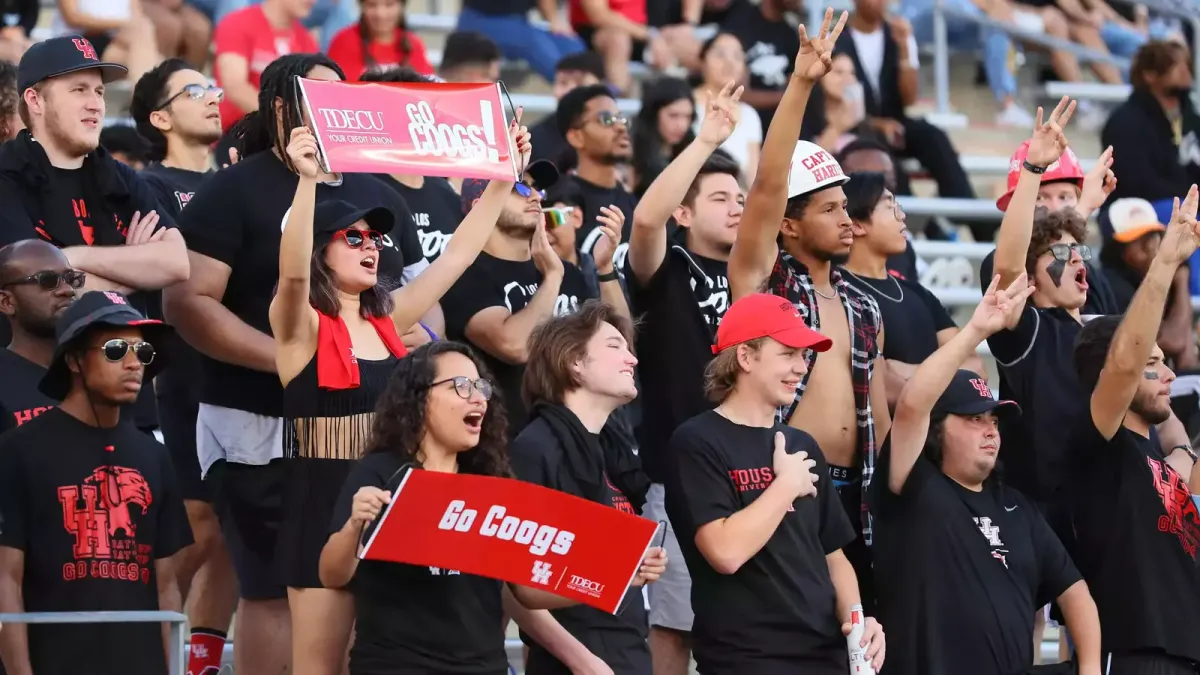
[526, 192]
[195, 92]
[464, 385]
[116, 349]
[48, 280]
[557, 216]
[1062, 252]
[356, 238]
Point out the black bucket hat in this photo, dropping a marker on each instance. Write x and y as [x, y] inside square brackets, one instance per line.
[335, 215]
[101, 308]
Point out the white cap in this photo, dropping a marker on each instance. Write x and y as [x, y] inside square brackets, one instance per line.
[813, 169]
[1132, 219]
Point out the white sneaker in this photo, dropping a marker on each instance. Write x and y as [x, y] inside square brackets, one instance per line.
[1014, 115]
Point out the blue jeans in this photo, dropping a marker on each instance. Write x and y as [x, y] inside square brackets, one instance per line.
[1121, 40]
[998, 49]
[517, 39]
[330, 16]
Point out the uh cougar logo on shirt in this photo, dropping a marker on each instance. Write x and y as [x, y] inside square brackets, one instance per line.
[102, 515]
[1181, 518]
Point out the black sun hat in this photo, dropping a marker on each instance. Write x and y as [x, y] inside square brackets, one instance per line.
[101, 308]
[62, 55]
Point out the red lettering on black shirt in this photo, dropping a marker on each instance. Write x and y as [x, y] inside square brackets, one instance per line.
[23, 416]
[1182, 518]
[99, 513]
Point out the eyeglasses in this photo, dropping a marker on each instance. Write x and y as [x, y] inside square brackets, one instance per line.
[892, 205]
[195, 92]
[1062, 252]
[356, 238]
[464, 385]
[608, 119]
[48, 280]
[526, 191]
[116, 349]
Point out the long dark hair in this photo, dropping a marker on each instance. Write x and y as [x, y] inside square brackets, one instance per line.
[364, 36]
[863, 193]
[650, 154]
[375, 302]
[260, 130]
[401, 413]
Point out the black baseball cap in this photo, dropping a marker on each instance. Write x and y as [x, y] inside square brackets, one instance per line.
[969, 394]
[336, 215]
[101, 308]
[62, 55]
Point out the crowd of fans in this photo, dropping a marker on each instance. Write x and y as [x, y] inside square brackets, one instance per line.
[221, 358]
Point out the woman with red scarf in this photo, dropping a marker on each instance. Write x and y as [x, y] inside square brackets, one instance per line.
[337, 334]
[379, 41]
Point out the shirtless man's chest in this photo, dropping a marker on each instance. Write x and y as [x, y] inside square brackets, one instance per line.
[827, 410]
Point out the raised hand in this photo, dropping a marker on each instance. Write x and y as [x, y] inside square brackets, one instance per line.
[302, 151]
[520, 137]
[1183, 233]
[544, 257]
[1098, 184]
[612, 224]
[1048, 142]
[995, 310]
[816, 55]
[795, 469]
[722, 115]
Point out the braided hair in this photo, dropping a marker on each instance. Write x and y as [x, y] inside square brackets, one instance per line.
[365, 36]
[262, 130]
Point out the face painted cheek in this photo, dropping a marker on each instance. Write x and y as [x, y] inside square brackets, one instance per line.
[1150, 374]
[1055, 271]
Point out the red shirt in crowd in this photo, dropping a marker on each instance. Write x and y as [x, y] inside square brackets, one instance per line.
[634, 10]
[247, 33]
[347, 50]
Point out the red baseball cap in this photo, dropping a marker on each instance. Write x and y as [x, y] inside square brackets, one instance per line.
[762, 315]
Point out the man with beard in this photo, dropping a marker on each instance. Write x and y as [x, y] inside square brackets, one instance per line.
[680, 289]
[596, 129]
[177, 110]
[1136, 524]
[37, 284]
[518, 281]
[58, 185]
[792, 236]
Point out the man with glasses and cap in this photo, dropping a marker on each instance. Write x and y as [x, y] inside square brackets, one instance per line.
[37, 284]
[91, 511]
[518, 281]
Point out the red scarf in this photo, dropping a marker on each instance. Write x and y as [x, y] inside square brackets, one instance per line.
[337, 367]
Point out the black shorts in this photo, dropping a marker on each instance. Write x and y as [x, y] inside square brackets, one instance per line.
[249, 503]
[586, 33]
[177, 422]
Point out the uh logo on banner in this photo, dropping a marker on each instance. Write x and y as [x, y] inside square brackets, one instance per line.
[513, 531]
[427, 128]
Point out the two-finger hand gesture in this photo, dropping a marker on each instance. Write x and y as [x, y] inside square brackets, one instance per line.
[996, 309]
[722, 115]
[816, 54]
[1048, 142]
[1183, 233]
[302, 151]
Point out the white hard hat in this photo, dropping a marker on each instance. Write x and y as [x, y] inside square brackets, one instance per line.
[812, 169]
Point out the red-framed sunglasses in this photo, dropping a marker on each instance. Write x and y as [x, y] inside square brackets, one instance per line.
[356, 238]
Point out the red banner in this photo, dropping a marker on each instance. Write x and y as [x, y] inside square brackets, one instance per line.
[426, 128]
[514, 531]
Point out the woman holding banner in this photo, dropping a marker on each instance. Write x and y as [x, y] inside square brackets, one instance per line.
[337, 331]
[436, 414]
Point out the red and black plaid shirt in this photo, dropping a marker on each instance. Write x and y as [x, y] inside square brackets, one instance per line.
[790, 279]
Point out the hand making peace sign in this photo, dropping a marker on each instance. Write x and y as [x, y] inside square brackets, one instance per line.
[816, 55]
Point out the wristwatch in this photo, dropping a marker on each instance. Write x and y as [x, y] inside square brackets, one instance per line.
[1031, 168]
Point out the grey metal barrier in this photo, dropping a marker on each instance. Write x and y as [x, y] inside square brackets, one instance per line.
[971, 209]
[176, 659]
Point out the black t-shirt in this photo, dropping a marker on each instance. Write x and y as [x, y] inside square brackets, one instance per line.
[619, 640]
[174, 188]
[770, 46]
[961, 573]
[413, 619]
[493, 282]
[680, 309]
[237, 218]
[92, 510]
[20, 400]
[436, 212]
[777, 614]
[1038, 372]
[1137, 531]
[592, 198]
[912, 316]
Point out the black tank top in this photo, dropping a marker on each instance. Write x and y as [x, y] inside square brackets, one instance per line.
[329, 423]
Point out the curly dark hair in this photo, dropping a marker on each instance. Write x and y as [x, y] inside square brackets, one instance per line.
[9, 97]
[400, 413]
[1048, 226]
[148, 94]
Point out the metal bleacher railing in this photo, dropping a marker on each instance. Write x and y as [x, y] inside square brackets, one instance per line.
[177, 658]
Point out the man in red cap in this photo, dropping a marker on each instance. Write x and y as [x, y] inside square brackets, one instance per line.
[756, 513]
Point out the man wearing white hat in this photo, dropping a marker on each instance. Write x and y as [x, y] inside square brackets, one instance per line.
[1126, 259]
[793, 233]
